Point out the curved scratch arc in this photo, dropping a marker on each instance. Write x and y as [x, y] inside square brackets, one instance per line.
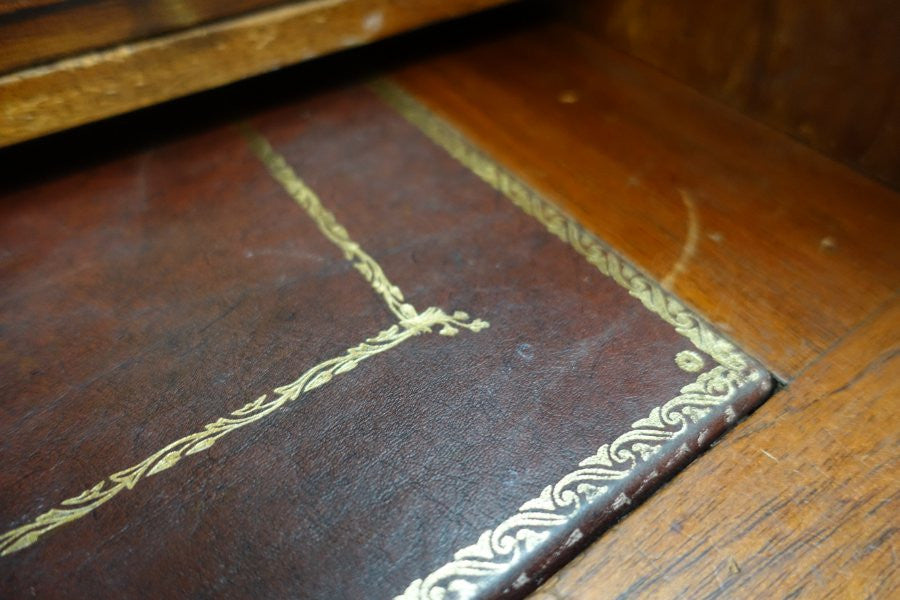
[560, 224]
[690, 241]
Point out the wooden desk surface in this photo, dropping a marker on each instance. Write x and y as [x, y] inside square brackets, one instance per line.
[793, 254]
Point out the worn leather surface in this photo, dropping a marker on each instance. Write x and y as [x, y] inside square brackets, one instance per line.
[148, 295]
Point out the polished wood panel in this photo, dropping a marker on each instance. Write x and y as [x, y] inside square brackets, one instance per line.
[37, 32]
[100, 84]
[782, 248]
[800, 501]
[824, 72]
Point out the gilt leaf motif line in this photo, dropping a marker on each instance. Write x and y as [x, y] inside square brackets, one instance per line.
[410, 323]
[325, 220]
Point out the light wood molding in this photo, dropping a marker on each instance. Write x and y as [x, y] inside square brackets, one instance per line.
[100, 84]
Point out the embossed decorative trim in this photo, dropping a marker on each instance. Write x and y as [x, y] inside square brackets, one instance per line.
[410, 323]
[506, 546]
[689, 361]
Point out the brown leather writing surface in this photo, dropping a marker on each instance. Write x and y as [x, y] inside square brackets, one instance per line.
[330, 352]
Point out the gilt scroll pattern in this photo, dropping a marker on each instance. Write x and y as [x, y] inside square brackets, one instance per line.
[501, 549]
[410, 323]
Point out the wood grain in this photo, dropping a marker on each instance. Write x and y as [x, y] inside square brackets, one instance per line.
[800, 501]
[802, 498]
[89, 87]
[12, 6]
[824, 72]
[37, 32]
[782, 248]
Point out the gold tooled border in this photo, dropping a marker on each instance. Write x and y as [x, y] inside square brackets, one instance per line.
[505, 548]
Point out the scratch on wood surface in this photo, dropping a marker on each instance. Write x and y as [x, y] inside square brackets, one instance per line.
[690, 241]
[769, 455]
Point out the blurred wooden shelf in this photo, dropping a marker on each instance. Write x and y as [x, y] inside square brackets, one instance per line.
[104, 64]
